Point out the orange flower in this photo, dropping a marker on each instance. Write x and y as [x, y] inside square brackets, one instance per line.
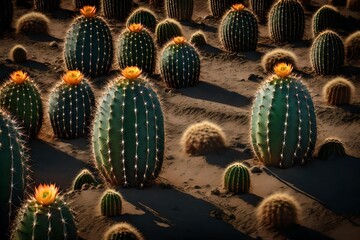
[283, 69]
[73, 77]
[136, 27]
[88, 11]
[19, 77]
[179, 40]
[131, 72]
[237, 7]
[46, 194]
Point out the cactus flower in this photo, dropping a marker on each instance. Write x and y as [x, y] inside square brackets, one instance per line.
[131, 73]
[283, 69]
[179, 40]
[237, 7]
[136, 27]
[19, 77]
[88, 11]
[46, 194]
[73, 77]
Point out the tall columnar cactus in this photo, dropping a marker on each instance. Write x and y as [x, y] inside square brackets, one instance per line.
[88, 44]
[167, 30]
[331, 148]
[327, 53]
[21, 97]
[111, 204]
[179, 64]
[237, 178]
[6, 14]
[117, 9]
[286, 21]
[219, 7]
[181, 10]
[123, 231]
[71, 103]
[85, 176]
[261, 8]
[14, 171]
[128, 131]
[82, 3]
[45, 216]
[144, 17]
[136, 47]
[46, 5]
[338, 91]
[327, 17]
[239, 30]
[283, 122]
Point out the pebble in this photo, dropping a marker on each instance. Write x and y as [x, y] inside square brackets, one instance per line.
[215, 191]
[256, 169]
[197, 187]
[54, 44]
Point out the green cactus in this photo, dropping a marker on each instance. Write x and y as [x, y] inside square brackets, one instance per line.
[179, 64]
[181, 10]
[283, 122]
[286, 21]
[238, 30]
[237, 178]
[327, 53]
[331, 148]
[111, 204]
[84, 176]
[198, 39]
[123, 231]
[167, 30]
[128, 131]
[70, 106]
[46, 5]
[219, 7]
[338, 91]
[88, 46]
[21, 97]
[117, 9]
[327, 17]
[145, 17]
[261, 8]
[18, 54]
[82, 3]
[6, 14]
[14, 169]
[352, 47]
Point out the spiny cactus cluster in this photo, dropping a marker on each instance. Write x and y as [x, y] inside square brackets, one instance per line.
[352, 47]
[198, 39]
[123, 231]
[331, 148]
[117, 9]
[261, 8]
[338, 91]
[166, 30]
[6, 14]
[18, 54]
[181, 10]
[111, 204]
[144, 17]
[83, 177]
[353, 5]
[33, 23]
[82, 3]
[46, 5]
[326, 18]
[219, 7]
[276, 56]
[237, 178]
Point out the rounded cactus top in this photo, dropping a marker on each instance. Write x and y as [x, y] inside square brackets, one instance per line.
[19, 77]
[135, 27]
[283, 69]
[73, 77]
[131, 73]
[46, 194]
[238, 7]
[88, 11]
[179, 40]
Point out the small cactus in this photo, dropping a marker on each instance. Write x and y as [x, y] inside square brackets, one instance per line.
[279, 210]
[219, 7]
[353, 5]
[326, 18]
[338, 91]
[202, 138]
[123, 231]
[352, 47]
[18, 54]
[338, 2]
[33, 23]
[83, 177]
[276, 56]
[237, 178]
[111, 204]
[82, 3]
[144, 17]
[331, 148]
[6, 14]
[166, 30]
[117, 9]
[198, 39]
[46, 5]
[261, 8]
[181, 10]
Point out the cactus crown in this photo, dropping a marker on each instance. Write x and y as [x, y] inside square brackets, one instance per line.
[73, 77]
[88, 11]
[179, 40]
[46, 194]
[19, 77]
[283, 69]
[136, 27]
[131, 73]
[238, 7]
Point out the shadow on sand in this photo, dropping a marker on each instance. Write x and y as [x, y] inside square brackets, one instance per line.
[225, 157]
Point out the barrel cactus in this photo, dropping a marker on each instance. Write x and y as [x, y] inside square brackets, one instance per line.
[123, 231]
[327, 17]
[239, 30]
[352, 47]
[83, 177]
[88, 44]
[338, 91]
[82, 3]
[286, 21]
[331, 148]
[166, 30]
[117, 9]
[179, 64]
[283, 122]
[198, 38]
[21, 97]
[136, 47]
[237, 178]
[6, 14]
[128, 131]
[46, 5]
[111, 204]
[33, 23]
[261, 8]
[327, 53]
[45, 216]
[181, 10]
[144, 17]
[18, 54]
[276, 56]
[71, 103]
[219, 7]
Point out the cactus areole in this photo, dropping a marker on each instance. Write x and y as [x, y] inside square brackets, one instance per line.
[283, 122]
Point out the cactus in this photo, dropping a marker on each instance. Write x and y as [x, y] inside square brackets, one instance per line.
[167, 30]
[82, 3]
[239, 30]
[337, 2]
[14, 169]
[338, 91]
[21, 97]
[272, 58]
[261, 8]
[6, 14]
[71, 103]
[181, 10]
[327, 53]
[128, 131]
[198, 39]
[327, 17]
[286, 21]
[144, 17]
[111, 204]
[137, 48]
[123, 231]
[331, 148]
[46, 5]
[202, 138]
[219, 7]
[33, 23]
[84, 176]
[88, 44]
[283, 122]
[117, 9]
[237, 178]
[352, 47]
[179, 64]
[353, 5]
[18, 54]
[45, 216]
[279, 210]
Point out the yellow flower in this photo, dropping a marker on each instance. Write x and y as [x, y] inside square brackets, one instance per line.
[237, 7]
[46, 194]
[179, 40]
[73, 77]
[88, 11]
[19, 77]
[136, 27]
[131, 73]
[283, 69]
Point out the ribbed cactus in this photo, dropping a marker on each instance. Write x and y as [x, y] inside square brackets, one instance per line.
[45, 216]
[128, 131]
[283, 122]
[84, 176]
[198, 39]
[136, 47]
[123, 231]
[261, 8]
[14, 169]
[82, 3]
[71, 103]
[219, 7]
[166, 30]
[352, 47]
[237, 178]
[327, 53]
[117, 9]
[144, 17]
[6, 14]
[331, 148]
[18, 54]
[181, 10]
[111, 204]
[88, 44]
[21, 97]
[276, 56]
[46, 5]
[327, 17]
[338, 91]
[286, 21]
[238, 30]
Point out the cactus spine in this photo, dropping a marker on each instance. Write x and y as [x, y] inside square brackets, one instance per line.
[286, 21]
[239, 30]
[181, 10]
[179, 64]
[85, 176]
[327, 17]
[144, 17]
[219, 7]
[128, 131]
[123, 231]
[283, 122]
[6, 14]
[261, 8]
[237, 178]
[46, 5]
[338, 91]
[117, 9]
[327, 53]
[167, 30]
[331, 148]
[82, 3]
[198, 39]
[111, 204]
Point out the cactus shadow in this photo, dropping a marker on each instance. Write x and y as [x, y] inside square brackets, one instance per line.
[5, 72]
[351, 108]
[43, 38]
[251, 198]
[298, 232]
[31, 64]
[62, 14]
[199, 26]
[225, 157]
